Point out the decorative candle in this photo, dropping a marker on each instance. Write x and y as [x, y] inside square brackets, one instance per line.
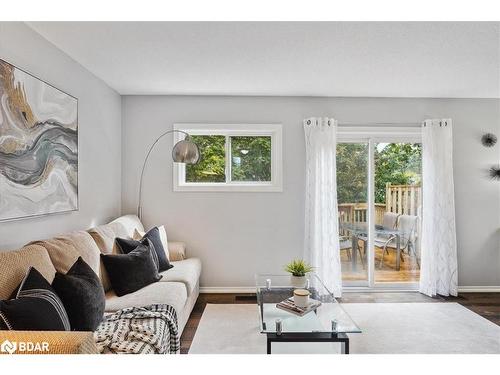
[301, 297]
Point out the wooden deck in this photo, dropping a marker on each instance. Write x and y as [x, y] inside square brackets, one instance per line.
[409, 270]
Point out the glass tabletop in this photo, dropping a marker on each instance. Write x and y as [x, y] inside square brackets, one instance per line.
[328, 317]
[362, 229]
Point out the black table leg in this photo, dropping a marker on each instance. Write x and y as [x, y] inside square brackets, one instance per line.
[341, 338]
[344, 347]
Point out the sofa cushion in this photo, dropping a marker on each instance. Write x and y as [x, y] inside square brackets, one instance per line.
[34, 307]
[133, 271]
[15, 264]
[162, 232]
[82, 295]
[104, 236]
[185, 271]
[154, 234]
[130, 223]
[126, 246]
[64, 250]
[172, 293]
[176, 250]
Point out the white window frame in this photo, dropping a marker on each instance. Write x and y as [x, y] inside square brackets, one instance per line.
[232, 130]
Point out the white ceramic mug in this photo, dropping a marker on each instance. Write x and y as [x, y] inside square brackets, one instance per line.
[301, 297]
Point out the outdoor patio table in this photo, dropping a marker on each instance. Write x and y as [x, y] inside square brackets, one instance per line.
[360, 230]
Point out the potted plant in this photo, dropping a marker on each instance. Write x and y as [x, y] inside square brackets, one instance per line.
[298, 269]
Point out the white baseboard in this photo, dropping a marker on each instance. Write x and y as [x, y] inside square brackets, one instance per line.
[479, 289]
[248, 289]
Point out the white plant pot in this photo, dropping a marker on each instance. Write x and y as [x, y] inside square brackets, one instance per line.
[298, 281]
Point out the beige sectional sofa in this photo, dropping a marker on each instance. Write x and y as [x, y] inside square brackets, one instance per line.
[179, 286]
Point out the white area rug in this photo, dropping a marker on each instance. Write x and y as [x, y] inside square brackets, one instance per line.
[387, 328]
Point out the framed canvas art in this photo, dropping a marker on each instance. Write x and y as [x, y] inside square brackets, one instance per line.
[38, 146]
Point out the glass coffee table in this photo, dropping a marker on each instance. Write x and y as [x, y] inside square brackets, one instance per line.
[328, 323]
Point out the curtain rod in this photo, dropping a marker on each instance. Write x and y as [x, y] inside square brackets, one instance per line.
[394, 124]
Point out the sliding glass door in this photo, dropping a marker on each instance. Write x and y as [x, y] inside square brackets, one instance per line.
[380, 209]
[398, 209]
[352, 198]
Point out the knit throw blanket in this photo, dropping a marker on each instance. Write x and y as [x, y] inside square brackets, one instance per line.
[139, 330]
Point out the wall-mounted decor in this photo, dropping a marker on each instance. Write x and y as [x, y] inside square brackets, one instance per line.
[489, 140]
[495, 172]
[38, 146]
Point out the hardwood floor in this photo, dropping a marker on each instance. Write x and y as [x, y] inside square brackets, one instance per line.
[484, 304]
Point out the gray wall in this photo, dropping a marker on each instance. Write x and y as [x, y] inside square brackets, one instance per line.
[99, 115]
[238, 234]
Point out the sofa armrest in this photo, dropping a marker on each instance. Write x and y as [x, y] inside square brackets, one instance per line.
[176, 251]
[49, 342]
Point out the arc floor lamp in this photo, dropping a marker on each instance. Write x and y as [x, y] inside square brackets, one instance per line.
[184, 151]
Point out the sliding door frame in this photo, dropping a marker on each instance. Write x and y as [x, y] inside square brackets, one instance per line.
[373, 135]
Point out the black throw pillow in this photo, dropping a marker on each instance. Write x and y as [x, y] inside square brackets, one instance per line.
[82, 295]
[154, 235]
[130, 272]
[127, 245]
[35, 306]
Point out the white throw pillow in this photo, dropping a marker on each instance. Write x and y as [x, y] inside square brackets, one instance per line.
[163, 238]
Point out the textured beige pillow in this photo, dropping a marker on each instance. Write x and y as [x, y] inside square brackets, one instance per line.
[130, 223]
[177, 251]
[104, 236]
[15, 264]
[163, 238]
[64, 250]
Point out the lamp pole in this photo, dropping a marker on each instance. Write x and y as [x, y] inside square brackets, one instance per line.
[184, 151]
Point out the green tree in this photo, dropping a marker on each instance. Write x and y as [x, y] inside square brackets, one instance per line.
[251, 158]
[352, 173]
[211, 167]
[395, 163]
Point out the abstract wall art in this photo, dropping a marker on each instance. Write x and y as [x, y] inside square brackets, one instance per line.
[38, 146]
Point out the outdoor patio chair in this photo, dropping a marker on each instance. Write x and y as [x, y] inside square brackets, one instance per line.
[345, 243]
[407, 226]
[389, 221]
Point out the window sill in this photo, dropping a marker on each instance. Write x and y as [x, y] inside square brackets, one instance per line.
[249, 188]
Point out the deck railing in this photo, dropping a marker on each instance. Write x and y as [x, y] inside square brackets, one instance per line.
[401, 199]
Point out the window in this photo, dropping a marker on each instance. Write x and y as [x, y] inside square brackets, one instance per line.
[234, 157]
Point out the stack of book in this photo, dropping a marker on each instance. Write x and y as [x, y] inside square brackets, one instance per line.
[290, 306]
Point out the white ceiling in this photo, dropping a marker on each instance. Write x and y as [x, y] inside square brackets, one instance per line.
[382, 59]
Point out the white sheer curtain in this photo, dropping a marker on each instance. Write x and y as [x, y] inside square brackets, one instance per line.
[321, 218]
[438, 274]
